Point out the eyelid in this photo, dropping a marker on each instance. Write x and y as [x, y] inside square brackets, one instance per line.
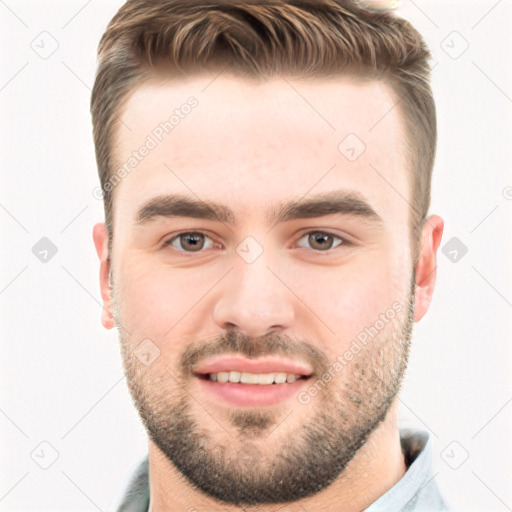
[167, 242]
[346, 240]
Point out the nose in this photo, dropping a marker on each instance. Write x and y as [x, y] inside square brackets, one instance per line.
[254, 300]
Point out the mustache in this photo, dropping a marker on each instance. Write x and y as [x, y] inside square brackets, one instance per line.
[237, 343]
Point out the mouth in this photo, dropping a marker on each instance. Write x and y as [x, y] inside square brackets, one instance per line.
[261, 379]
[238, 381]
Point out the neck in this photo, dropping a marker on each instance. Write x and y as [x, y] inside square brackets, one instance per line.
[373, 471]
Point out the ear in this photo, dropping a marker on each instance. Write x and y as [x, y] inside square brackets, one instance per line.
[425, 273]
[100, 237]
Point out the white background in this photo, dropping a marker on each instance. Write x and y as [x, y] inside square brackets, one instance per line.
[61, 372]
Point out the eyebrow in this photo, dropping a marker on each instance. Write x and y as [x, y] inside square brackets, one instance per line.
[339, 202]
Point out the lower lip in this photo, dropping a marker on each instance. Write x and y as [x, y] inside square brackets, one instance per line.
[251, 394]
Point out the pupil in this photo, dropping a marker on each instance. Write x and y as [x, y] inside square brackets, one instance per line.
[193, 239]
[321, 236]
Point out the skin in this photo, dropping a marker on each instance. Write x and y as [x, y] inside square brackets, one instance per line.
[251, 147]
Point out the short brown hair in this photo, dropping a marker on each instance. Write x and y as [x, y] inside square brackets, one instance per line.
[262, 39]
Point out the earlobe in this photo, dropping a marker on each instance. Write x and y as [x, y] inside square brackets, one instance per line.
[100, 237]
[425, 272]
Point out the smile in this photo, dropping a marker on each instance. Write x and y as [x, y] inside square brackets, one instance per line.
[254, 378]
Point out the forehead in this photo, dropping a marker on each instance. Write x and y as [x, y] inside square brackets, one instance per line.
[254, 143]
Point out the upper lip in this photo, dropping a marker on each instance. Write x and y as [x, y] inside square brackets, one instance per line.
[242, 364]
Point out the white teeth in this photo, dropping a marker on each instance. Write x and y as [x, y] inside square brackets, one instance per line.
[234, 377]
[254, 378]
[280, 378]
[222, 376]
[249, 378]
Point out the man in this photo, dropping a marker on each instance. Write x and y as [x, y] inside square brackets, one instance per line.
[266, 171]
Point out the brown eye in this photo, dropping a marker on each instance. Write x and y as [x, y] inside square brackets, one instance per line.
[191, 241]
[322, 241]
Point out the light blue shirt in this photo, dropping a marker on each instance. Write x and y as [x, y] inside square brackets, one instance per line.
[417, 491]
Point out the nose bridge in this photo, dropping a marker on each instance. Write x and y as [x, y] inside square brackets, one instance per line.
[254, 300]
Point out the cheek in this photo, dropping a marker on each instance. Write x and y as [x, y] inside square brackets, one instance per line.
[149, 302]
[159, 302]
[350, 298]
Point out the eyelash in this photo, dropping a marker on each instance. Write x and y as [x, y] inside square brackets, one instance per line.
[344, 241]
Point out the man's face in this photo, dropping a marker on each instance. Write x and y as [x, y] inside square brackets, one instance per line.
[266, 282]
